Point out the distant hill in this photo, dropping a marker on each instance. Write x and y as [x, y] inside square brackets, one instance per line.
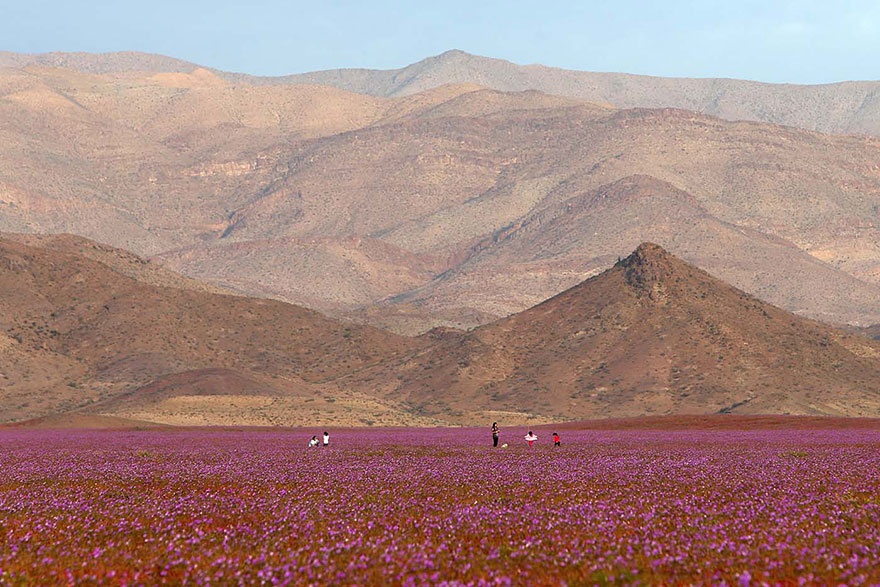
[847, 107]
[99, 63]
[587, 232]
[851, 107]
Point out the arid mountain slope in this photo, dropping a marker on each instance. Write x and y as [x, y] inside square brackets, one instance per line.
[652, 335]
[117, 260]
[101, 63]
[430, 209]
[565, 243]
[842, 108]
[74, 332]
[847, 107]
[435, 190]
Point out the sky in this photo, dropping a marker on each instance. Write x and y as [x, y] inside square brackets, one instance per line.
[805, 42]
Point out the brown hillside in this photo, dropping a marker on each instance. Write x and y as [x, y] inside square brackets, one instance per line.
[101, 63]
[75, 333]
[118, 260]
[442, 186]
[652, 335]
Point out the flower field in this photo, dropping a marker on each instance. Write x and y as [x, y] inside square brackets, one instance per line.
[429, 507]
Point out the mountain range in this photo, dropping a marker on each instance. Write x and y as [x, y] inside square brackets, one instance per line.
[453, 206]
[91, 330]
[842, 108]
[849, 107]
[447, 243]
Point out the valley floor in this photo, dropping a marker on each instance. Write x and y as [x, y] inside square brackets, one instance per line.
[796, 504]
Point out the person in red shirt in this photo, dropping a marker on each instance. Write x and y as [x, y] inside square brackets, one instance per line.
[556, 441]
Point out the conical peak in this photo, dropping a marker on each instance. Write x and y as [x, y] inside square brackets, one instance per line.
[648, 265]
[648, 251]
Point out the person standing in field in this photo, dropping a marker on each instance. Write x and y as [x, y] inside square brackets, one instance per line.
[495, 434]
[531, 437]
[556, 440]
[326, 438]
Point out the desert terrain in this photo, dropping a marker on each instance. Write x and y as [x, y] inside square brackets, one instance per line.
[90, 331]
[450, 205]
[460, 241]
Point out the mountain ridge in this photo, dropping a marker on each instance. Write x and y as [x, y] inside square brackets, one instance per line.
[652, 335]
[450, 207]
[76, 332]
[850, 107]
[843, 107]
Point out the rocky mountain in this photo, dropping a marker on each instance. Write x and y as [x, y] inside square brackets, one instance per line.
[450, 207]
[652, 335]
[83, 338]
[76, 332]
[541, 252]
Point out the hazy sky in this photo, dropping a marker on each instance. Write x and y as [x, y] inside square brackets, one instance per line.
[777, 41]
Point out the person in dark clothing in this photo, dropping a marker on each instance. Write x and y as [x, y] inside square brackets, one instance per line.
[494, 434]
